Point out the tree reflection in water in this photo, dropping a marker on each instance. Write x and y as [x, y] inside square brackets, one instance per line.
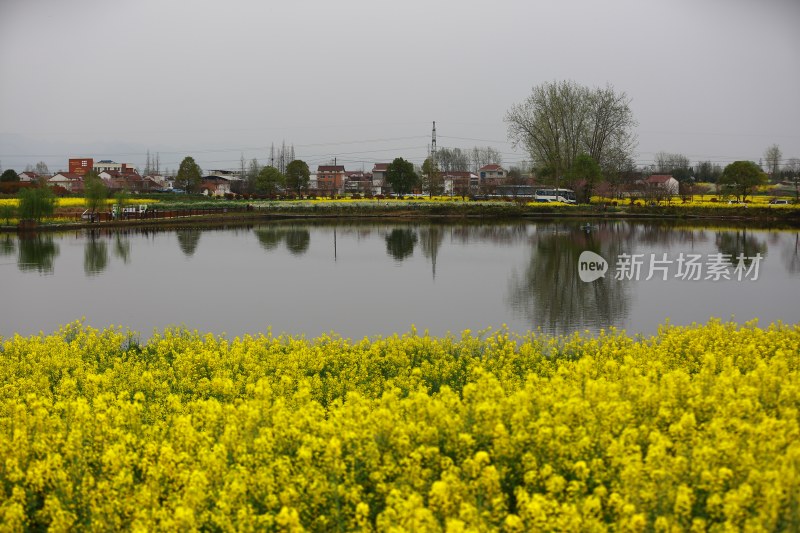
[297, 239]
[431, 238]
[791, 255]
[37, 253]
[550, 293]
[740, 242]
[95, 255]
[400, 243]
[269, 238]
[187, 240]
[122, 247]
[7, 245]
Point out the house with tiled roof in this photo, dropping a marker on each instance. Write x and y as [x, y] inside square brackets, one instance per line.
[459, 182]
[492, 175]
[330, 178]
[214, 185]
[663, 182]
[28, 176]
[67, 180]
[379, 185]
[357, 181]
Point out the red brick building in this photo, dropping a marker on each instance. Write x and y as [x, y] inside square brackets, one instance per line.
[330, 178]
[80, 166]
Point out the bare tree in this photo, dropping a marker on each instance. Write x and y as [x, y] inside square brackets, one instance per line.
[41, 168]
[452, 160]
[676, 165]
[482, 156]
[772, 159]
[561, 120]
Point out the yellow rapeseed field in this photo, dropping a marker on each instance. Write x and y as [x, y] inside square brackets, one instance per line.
[696, 429]
[78, 201]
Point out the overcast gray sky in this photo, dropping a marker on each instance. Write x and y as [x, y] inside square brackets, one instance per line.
[362, 80]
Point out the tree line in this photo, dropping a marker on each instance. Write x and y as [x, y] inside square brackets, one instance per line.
[578, 135]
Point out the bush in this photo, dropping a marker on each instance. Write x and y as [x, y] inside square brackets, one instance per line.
[36, 203]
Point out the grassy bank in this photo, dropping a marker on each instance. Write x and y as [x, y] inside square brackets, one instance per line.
[238, 210]
[694, 428]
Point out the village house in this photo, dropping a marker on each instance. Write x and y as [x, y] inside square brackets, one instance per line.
[28, 176]
[459, 182]
[662, 183]
[379, 185]
[330, 178]
[215, 186]
[67, 180]
[357, 182]
[492, 175]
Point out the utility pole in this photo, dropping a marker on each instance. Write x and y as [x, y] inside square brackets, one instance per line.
[433, 172]
[433, 145]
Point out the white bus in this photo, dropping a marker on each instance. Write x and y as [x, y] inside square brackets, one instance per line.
[555, 195]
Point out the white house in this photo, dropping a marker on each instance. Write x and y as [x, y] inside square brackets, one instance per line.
[28, 176]
[459, 182]
[665, 182]
[71, 182]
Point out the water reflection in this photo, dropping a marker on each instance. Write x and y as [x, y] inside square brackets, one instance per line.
[400, 243]
[549, 292]
[740, 242]
[187, 240]
[467, 274]
[791, 256]
[122, 247]
[37, 253]
[269, 238]
[95, 255]
[7, 245]
[431, 238]
[297, 239]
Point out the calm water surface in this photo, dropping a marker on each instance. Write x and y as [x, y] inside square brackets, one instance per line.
[369, 279]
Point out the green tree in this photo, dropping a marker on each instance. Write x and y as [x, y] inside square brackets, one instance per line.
[432, 178]
[707, 172]
[401, 176]
[95, 192]
[189, 175]
[742, 177]
[586, 170]
[268, 181]
[298, 176]
[7, 212]
[9, 175]
[36, 203]
[120, 199]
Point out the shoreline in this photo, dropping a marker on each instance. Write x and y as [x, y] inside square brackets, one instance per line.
[499, 211]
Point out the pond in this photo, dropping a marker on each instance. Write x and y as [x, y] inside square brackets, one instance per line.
[364, 279]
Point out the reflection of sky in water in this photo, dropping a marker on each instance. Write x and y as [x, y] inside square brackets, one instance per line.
[367, 279]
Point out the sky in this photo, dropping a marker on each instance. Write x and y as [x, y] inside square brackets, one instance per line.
[362, 81]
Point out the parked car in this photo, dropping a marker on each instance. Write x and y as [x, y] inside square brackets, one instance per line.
[777, 201]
